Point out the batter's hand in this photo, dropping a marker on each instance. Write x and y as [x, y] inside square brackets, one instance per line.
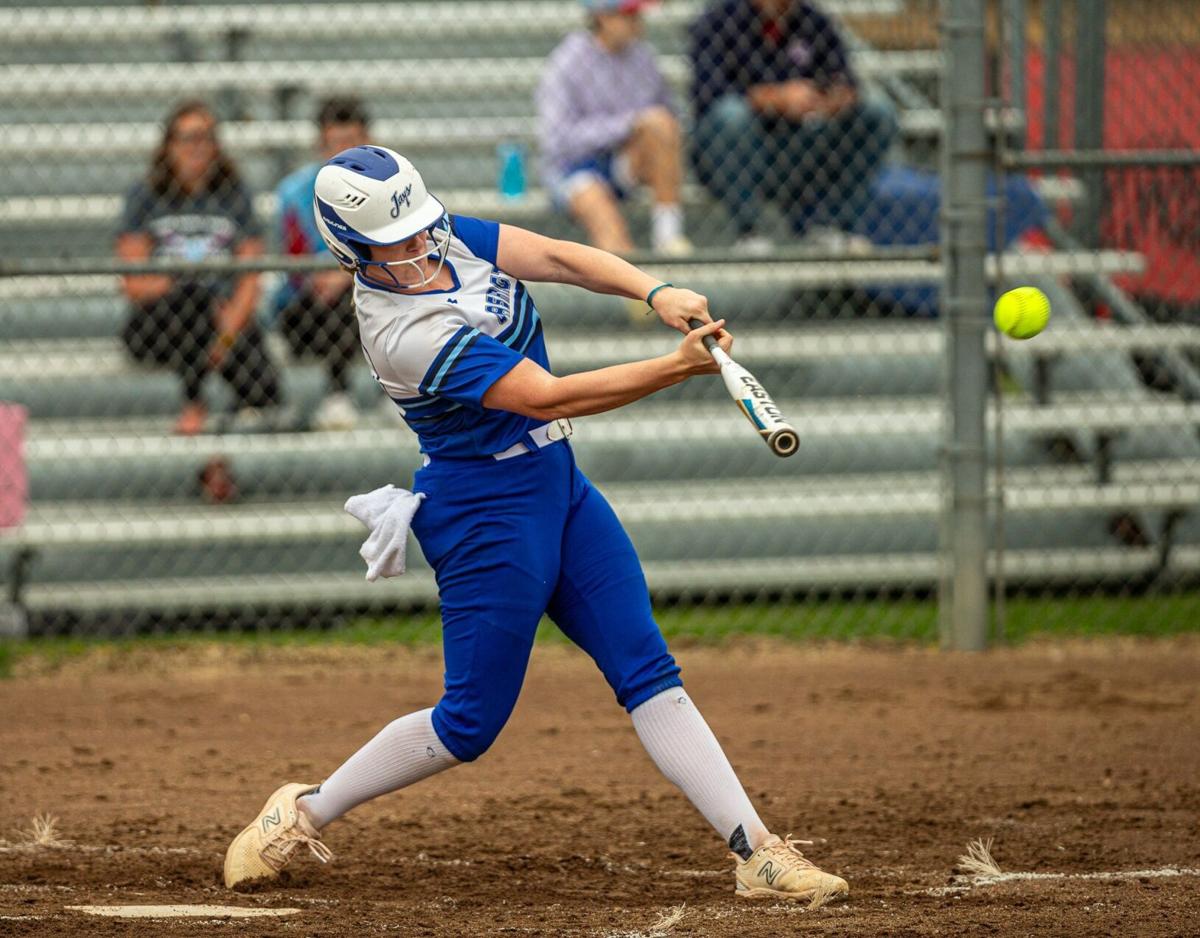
[696, 358]
[675, 306]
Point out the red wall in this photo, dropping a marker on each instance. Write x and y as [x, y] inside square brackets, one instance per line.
[1151, 101]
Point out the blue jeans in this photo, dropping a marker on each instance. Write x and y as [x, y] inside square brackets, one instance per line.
[816, 171]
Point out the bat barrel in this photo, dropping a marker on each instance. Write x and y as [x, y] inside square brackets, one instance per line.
[784, 441]
[755, 403]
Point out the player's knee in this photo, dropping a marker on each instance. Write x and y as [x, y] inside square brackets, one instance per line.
[466, 734]
[638, 693]
[645, 676]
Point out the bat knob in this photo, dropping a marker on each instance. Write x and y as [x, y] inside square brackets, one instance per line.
[784, 442]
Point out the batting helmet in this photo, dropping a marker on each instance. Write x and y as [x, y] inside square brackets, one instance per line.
[371, 195]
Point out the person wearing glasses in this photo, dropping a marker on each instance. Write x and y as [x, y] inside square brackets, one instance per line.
[191, 206]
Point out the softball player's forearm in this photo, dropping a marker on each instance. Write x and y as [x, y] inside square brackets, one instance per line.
[530, 256]
[534, 392]
[594, 392]
[601, 272]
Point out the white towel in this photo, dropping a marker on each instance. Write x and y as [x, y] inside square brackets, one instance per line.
[387, 512]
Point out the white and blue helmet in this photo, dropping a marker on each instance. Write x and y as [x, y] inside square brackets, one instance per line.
[373, 196]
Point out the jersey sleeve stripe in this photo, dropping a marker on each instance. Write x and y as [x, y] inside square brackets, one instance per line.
[457, 348]
[442, 355]
[437, 366]
[530, 321]
[522, 298]
[533, 334]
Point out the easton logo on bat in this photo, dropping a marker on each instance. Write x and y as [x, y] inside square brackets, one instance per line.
[764, 403]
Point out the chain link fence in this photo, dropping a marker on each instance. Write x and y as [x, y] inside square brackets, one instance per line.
[188, 407]
[1107, 100]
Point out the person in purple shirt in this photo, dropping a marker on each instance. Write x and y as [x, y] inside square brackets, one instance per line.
[779, 115]
[606, 125]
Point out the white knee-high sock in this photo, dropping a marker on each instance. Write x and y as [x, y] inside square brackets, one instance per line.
[405, 751]
[666, 223]
[686, 751]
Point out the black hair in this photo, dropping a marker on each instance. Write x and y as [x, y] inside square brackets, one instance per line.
[346, 110]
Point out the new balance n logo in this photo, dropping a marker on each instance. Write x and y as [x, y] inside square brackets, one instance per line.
[270, 820]
[769, 871]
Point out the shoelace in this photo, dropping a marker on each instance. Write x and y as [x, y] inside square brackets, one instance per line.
[282, 845]
[318, 849]
[786, 852]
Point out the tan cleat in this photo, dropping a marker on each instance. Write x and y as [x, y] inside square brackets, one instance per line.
[265, 847]
[777, 870]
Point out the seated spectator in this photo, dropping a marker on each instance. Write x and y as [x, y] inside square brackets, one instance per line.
[779, 115]
[193, 206]
[606, 125]
[315, 311]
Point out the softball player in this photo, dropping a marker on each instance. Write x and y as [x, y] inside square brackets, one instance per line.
[510, 525]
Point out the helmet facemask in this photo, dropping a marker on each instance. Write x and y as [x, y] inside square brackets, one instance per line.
[438, 245]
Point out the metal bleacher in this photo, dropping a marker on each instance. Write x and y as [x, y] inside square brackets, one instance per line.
[116, 523]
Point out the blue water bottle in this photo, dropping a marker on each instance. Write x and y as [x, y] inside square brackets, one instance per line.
[510, 158]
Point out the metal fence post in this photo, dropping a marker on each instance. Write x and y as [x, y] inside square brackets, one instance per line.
[965, 158]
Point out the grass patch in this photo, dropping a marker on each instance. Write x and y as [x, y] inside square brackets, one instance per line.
[872, 620]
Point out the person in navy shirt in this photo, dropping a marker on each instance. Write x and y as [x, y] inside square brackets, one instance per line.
[780, 114]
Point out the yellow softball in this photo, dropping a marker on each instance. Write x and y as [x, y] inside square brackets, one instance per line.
[1022, 313]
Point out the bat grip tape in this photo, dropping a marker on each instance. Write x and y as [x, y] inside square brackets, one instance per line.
[710, 343]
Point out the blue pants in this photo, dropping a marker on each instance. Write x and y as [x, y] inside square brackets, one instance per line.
[510, 540]
[814, 169]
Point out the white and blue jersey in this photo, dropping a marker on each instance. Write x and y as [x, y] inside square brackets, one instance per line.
[508, 540]
[436, 352]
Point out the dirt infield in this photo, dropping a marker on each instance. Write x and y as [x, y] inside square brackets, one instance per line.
[1079, 760]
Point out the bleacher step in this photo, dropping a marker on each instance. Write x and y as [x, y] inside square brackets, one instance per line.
[667, 581]
[748, 500]
[36, 361]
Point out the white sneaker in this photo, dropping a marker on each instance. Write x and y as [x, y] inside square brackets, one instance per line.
[753, 245]
[836, 241]
[678, 246]
[337, 412]
[273, 839]
[777, 870]
[276, 419]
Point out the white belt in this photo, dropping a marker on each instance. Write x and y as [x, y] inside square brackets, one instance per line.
[544, 435]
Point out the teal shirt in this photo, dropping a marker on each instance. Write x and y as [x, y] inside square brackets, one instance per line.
[297, 227]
